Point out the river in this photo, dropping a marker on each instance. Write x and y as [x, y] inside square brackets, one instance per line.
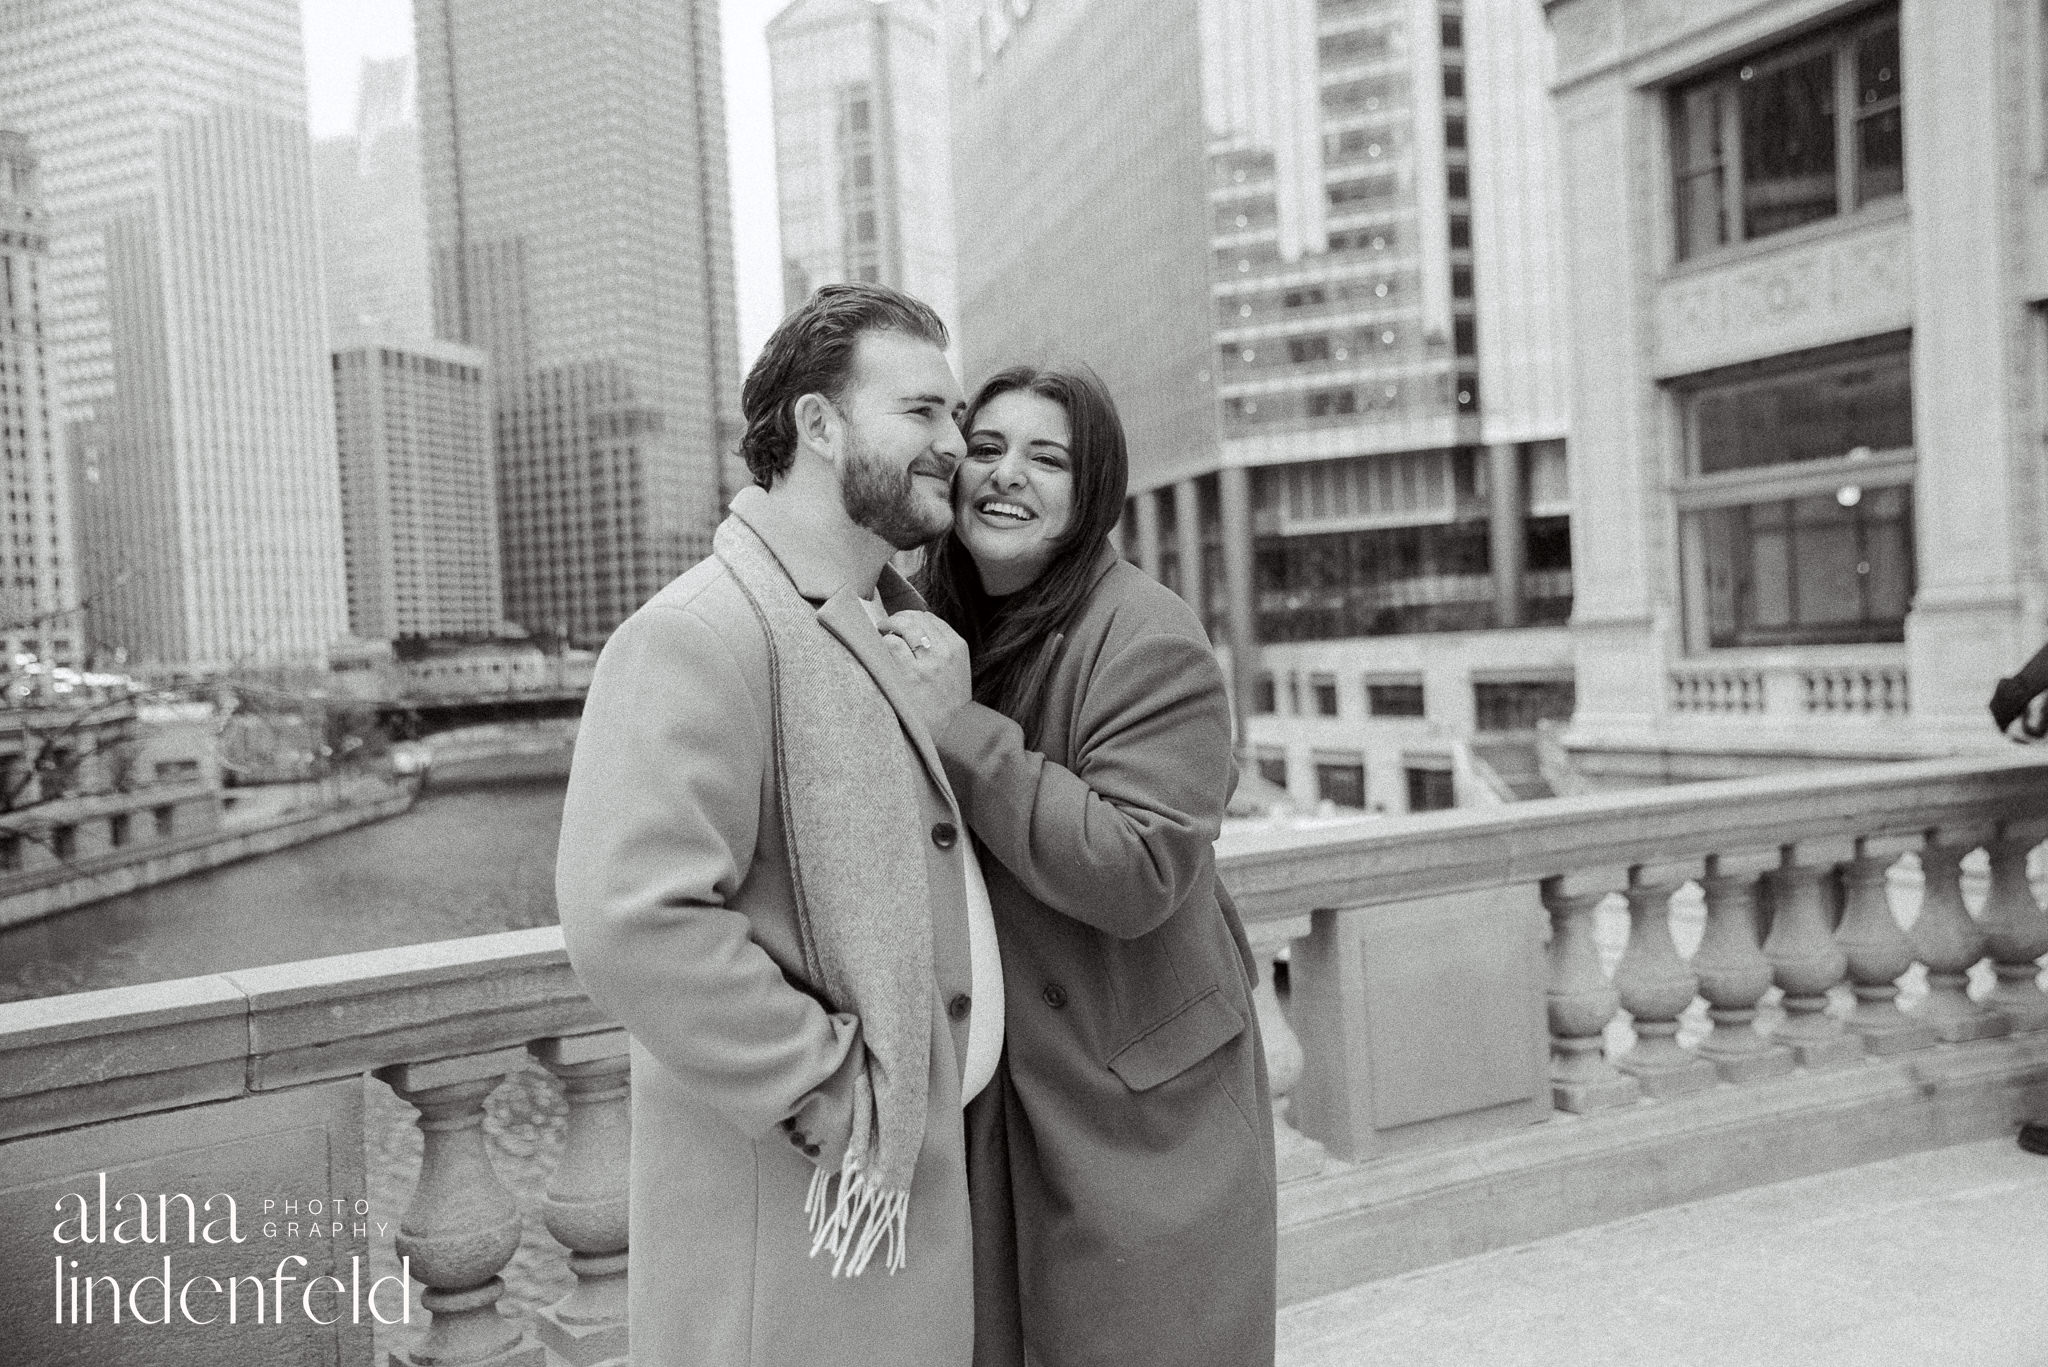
[461, 862]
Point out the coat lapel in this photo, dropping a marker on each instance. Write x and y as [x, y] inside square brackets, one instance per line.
[815, 577]
[845, 618]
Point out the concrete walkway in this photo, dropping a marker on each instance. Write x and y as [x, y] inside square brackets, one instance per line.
[1933, 1259]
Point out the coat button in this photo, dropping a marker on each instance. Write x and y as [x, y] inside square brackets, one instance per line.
[959, 1006]
[944, 834]
[1055, 996]
[811, 1150]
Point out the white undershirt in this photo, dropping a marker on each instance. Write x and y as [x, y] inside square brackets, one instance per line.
[985, 1021]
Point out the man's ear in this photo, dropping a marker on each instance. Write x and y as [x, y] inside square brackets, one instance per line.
[817, 422]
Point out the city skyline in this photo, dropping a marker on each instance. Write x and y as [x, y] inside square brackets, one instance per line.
[580, 234]
[184, 315]
[340, 34]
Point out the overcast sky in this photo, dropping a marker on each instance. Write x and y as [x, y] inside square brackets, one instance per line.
[340, 33]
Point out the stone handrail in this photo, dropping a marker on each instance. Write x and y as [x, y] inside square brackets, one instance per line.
[1794, 871]
[1278, 873]
[443, 1024]
[90, 1056]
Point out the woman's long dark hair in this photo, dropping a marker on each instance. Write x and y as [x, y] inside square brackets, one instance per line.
[1013, 639]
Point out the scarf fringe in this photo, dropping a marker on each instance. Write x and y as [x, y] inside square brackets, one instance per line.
[861, 1220]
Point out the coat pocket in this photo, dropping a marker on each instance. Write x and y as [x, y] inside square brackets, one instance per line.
[1197, 1030]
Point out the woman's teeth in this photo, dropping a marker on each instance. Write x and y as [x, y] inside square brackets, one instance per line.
[1009, 510]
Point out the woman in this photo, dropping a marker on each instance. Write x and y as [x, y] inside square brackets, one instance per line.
[1121, 1162]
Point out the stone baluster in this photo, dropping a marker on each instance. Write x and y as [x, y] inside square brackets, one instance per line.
[2015, 932]
[1581, 1003]
[585, 1205]
[462, 1227]
[1950, 942]
[1655, 988]
[1295, 1155]
[1879, 954]
[1734, 975]
[1806, 962]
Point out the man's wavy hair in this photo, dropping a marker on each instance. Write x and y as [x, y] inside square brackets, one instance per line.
[811, 352]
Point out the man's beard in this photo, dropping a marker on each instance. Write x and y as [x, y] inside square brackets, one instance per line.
[885, 500]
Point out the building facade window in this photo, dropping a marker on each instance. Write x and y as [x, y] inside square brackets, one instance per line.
[1353, 46]
[1430, 789]
[1323, 691]
[1519, 704]
[1810, 570]
[1810, 413]
[1796, 517]
[1402, 699]
[1340, 779]
[1374, 583]
[1790, 135]
[1272, 764]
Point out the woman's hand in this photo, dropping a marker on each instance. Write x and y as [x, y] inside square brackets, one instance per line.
[935, 664]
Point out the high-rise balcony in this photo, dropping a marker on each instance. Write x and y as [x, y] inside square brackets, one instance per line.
[1493, 1025]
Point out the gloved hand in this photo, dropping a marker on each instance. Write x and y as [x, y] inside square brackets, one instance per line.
[2009, 701]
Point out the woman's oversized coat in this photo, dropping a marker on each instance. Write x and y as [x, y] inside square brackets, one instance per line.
[1121, 1163]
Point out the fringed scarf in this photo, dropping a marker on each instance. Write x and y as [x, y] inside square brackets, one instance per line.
[851, 816]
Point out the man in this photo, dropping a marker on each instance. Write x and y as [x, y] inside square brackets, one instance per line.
[764, 877]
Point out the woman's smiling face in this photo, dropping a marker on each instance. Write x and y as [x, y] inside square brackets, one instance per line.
[1013, 497]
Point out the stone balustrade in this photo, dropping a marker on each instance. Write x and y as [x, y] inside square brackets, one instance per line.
[1717, 690]
[1879, 691]
[1792, 688]
[1460, 1056]
[1453, 987]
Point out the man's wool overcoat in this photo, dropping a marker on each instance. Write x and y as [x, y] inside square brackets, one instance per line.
[1124, 1198]
[676, 904]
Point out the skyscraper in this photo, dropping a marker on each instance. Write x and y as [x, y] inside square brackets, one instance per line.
[581, 235]
[373, 214]
[861, 157]
[418, 497]
[1311, 245]
[38, 587]
[184, 315]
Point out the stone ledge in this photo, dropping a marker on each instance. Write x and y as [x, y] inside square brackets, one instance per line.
[90, 1056]
[1406, 858]
[351, 1013]
[87, 1057]
[1357, 1223]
